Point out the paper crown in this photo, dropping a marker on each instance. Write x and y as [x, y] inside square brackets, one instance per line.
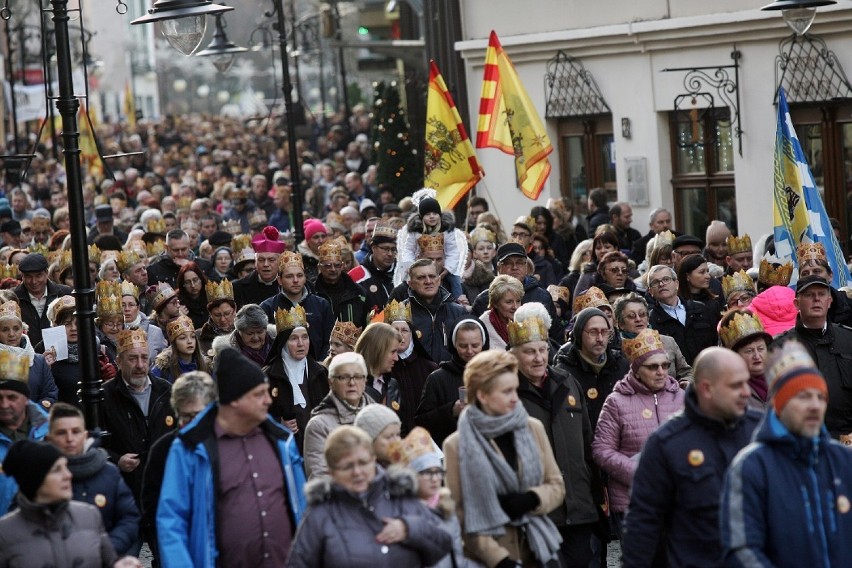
[60, 305]
[185, 202]
[531, 329]
[236, 193]
[737, 245]
[397, 311]
[647, 341]
[346, 332]
[240, 242]
[290, 319]
[156, 248]
[217, 291]
[558, 293]
[94, 254]
[246, 255]
[737, 282]
[257, 218]
[14, 366]
[129, 289]
[39, 248]
[810, 251]
[268, 240]
[591, 298]
[63, 260]
[181, 324]
[482, 234]
[431, 243]
[127, 259]
[664, 238]
[9, 271]
[233, 227]
[155, 225]
[330, 251]
[109, 299]
[10, 309]
[288, 259]
[790, 356]
[739, 327]
[163, 295]
[774, 273]
[41, 224]
[384, 230]
[406, 451]
[526, 220]
[131, 338]
[109, 255]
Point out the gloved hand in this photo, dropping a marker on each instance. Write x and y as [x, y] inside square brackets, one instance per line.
[107, 369]
[516, 505]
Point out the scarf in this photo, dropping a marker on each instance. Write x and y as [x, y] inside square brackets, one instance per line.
[25, 349]
[217, 331]
[73, 353]
[485, 474]
[87, 464]
[296, 372]
[500, 326]
[256, 355]
[759, 386]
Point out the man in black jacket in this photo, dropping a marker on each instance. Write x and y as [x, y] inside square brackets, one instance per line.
[375, 275]
[261, 282]
[178, 253]
[598, 210]
[433, 312]
[35, 294]
[348, 300]
[660, 221]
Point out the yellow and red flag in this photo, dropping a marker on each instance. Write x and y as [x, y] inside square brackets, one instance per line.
[129, 105]
[509, 121]
[450, 164]
[90, 159]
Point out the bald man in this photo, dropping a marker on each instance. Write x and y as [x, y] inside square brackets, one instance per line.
[673, 517]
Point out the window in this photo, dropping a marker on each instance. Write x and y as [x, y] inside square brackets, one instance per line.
[587, 159]
[703, 178]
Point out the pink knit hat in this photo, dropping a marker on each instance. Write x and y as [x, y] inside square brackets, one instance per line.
[268, 241]
[312, 227]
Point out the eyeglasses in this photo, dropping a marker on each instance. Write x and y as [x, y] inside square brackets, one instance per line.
[657, 366]
[432, 473]
[351, 378]
[744, 300]
[616, 270]
[386, 249]
[597, 332]
[520, 235]
[331, 265]
[635, 315]
[360, 464]
[660, 282]
[187, 417]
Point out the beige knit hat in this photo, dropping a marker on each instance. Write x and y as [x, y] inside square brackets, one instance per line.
[717, 231]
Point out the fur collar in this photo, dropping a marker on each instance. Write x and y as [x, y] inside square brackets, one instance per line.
[481, 275]
[396, 481]
[415, 223]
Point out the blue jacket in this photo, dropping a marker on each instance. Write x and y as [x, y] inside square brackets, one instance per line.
[37, 420]
[786, 501]
[186, 514]
[42, 385]
[320, 318]
[674, 503]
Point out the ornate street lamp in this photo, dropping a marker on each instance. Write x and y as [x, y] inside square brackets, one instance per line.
[221, 49]
[798, 14]
[182, 22]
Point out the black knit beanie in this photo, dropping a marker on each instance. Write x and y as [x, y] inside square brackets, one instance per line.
[29, 463]
[236, 375]
[428, 205]
[580, 322]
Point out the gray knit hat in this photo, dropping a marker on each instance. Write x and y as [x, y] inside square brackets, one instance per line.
[374, 418]
[250, 316]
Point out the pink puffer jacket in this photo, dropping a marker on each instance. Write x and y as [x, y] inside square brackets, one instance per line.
[629, 415]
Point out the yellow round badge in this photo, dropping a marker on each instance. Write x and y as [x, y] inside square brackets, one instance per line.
[646, 414]
[696, 458]
[395, 405]
[592, 393]
[419, 334]
[571, 400]
[100, 500]
[170, 421]
[843, 504]
[274, 392]
[45, 403]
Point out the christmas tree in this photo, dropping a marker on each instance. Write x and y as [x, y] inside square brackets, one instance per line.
[397, 162]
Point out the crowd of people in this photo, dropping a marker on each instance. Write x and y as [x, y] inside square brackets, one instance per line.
[404, 387]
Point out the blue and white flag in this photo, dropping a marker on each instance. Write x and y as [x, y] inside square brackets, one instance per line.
[798, 209]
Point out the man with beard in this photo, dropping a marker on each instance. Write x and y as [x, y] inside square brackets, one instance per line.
[260, 283]
[348, 300]
[375, 275]
[136, 410]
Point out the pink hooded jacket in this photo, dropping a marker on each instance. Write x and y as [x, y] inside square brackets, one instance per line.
[629, 416]
[774, 306]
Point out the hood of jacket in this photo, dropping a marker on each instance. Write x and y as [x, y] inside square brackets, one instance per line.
[415, 223]
[774, 307]
[398, 481]
[221, 342]
[631, 385]
[305, 250]
[772, 432]
[481, 275]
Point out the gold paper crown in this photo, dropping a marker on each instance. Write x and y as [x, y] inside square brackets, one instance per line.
[181, 324]
[645, 342]
[737, 245]
[664, 238]
[232, 227]
[109, 255]
[289, 258]
[591, 298]
[330, 251]
[346, 332]
[10, 308]
[106, 288]
[431, 243]
[129, 289]
[290, 319]
[130, 338]
[385, 230]
[39, 248]
[41, 223]
[531, 329]
[109, 306]
[482, 234]
[164, 293]
[240, 242]
[9, 271]
[64, 260]
[527, 220]
[417, 443]
[155, 225]
[559, 293]
[223, 290]
[257, 218]
[235, 192]
[14, 367]
[184, 202]
[126, 260]
[737, 282]
[740, 326]
[772, 275]
[397, 311]
[810, 251]
[156, 248]
[94, 254]
[790, 356]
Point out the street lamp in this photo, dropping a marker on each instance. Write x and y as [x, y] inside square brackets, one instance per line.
[182, 22]
[221, 49]
[798, 14]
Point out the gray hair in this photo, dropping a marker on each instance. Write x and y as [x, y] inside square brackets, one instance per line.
[654, 269]
[348, 358]
[192, 386]
[250, 316]
[621, 303]
[653, 215]
[576, 262]
[420, 263]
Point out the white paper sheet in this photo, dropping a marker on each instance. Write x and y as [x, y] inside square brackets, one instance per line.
[55, 337]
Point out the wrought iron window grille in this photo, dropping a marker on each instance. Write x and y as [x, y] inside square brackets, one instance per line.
[571, 89]
[809, 71]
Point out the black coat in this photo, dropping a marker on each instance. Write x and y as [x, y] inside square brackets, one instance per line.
[698, 333]
[435, 411]
[378, 284]
[411, 373]
[599, 216]
[250, 290]
[314, 390]
[152, 480]
[390, 394]
[434, 323]
[596, 386]
[130, 431]
[163, 269]
[31, 317]
[320, 319]
[348, 300]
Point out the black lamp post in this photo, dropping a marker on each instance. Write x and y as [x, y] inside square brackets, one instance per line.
[183, 22]
[221, 49]
[798, 14]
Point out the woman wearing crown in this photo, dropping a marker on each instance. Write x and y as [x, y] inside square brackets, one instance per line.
[222, 312]
[13, 339]
[183, 353]
[110, 316]
[133, 317]
[742, 331]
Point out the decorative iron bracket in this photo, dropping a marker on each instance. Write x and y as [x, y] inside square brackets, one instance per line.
[698, 83]
[809, 71]
[571, 89]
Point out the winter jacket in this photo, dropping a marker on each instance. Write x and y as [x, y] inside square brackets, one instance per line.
[561, 408]
[43, 389]
[99, 483]
[411, 374]
[698, 333]
[152, 481]
[377, 283]
[435, 409]
[186, 514]
[494, 338]
[455, 246]
[30, 316]
[70, 534]
[434, 322]
[162, 366]
[774, 306]
[320, 318]
[591, 277]
[164, 269]
[512, 544]
[330, 413]
[310, 261]
[314, 388]
[205, 337]
[250, 290]
[348, 300]
[596, 386]
[131, 432]
[37, 421]
[599, 216]
[156, 340]
[629, 415]
[478, 280]
[339, 528]
[840, 311]
[785, 501]
[533, 292]
[674, 502]
[832, 353]
[682, 369]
